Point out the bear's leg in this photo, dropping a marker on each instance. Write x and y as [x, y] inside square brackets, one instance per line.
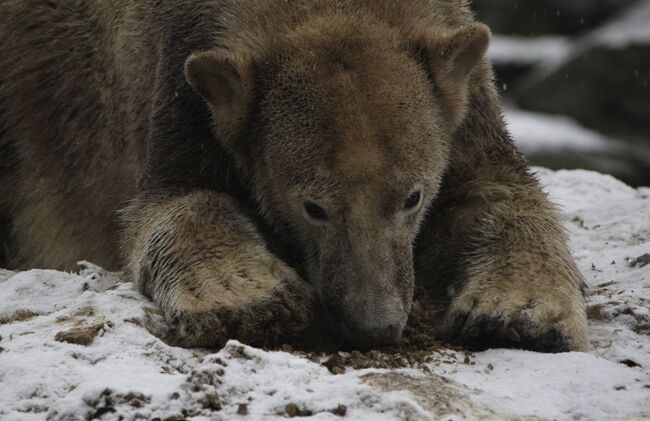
[494, 245]
[211, 273]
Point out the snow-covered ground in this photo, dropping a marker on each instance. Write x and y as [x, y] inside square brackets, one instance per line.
[76, 346]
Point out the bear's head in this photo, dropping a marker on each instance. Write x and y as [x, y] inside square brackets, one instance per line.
[344, 127]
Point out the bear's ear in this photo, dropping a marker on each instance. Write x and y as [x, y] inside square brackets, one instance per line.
[225, 82]
[450, 59]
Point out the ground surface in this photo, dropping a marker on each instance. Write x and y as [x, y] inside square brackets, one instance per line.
[74, 346]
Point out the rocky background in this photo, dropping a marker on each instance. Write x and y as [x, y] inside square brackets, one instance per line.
[588, 60]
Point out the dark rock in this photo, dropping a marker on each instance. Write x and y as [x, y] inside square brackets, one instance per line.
[530, 18]
[623, 164]
[514, 57]
[641, 261]
[604, 87]
[604, 83]
[340, 410]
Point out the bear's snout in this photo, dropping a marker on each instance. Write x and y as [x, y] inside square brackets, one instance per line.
[373, 322]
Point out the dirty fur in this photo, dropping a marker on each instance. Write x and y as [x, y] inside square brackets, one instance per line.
[181, 141]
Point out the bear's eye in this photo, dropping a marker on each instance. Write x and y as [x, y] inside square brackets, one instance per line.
[315, 212]
[413, 201]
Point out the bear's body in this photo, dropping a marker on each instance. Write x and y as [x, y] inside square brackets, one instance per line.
[104, 142]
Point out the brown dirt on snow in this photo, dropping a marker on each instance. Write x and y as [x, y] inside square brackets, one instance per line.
[18, 316]
[417, 348]
[84, 335]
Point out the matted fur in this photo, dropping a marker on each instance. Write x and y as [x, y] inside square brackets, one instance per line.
[97, 120]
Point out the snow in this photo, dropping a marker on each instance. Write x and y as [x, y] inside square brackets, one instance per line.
[128, 373]
[540, 132]
[526, 50]
[631, 27]
[549, 53]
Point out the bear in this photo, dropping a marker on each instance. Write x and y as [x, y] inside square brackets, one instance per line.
[254, 165]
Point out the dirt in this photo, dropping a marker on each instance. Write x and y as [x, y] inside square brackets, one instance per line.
[292, 410]
[18, 316]
[242, 409]
[107, 401]
[84, 335]
[79, 314]
[417, 348]
[595, 312]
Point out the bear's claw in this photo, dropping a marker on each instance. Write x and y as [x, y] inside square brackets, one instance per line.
[517, 315]
[278, 318]
[480, 332]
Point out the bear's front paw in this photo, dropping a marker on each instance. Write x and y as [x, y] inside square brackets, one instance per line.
[259, 314]
[521, 316]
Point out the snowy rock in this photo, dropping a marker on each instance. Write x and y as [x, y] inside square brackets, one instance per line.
[125, 372]
[525, 51]
[539, 17]
[514, 56]
[559, 142]
[604, 82]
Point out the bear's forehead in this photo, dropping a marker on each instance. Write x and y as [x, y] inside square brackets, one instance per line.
[356, 109]
[360, 127]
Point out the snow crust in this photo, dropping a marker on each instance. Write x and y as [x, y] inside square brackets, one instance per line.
[128, 373]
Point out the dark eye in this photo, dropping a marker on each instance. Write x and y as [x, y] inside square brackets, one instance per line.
[413, 201]
[315, 212]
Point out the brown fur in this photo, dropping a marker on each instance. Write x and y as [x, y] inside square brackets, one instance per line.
[350, 105]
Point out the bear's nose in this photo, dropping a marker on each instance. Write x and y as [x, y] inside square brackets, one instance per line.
[369, 338]
[375, 325]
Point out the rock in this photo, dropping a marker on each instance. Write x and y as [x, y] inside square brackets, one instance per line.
[538, 17]
[513, 57]
[604, 83]
[559, 142]
[340, 410]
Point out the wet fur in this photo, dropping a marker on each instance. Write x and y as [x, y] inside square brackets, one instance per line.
[98, 125]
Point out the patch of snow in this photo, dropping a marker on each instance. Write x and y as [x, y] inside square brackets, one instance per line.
[527, 51]
[269, 381]
[632, 26]
[535, 132]
[128, 373]
[628, 28]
